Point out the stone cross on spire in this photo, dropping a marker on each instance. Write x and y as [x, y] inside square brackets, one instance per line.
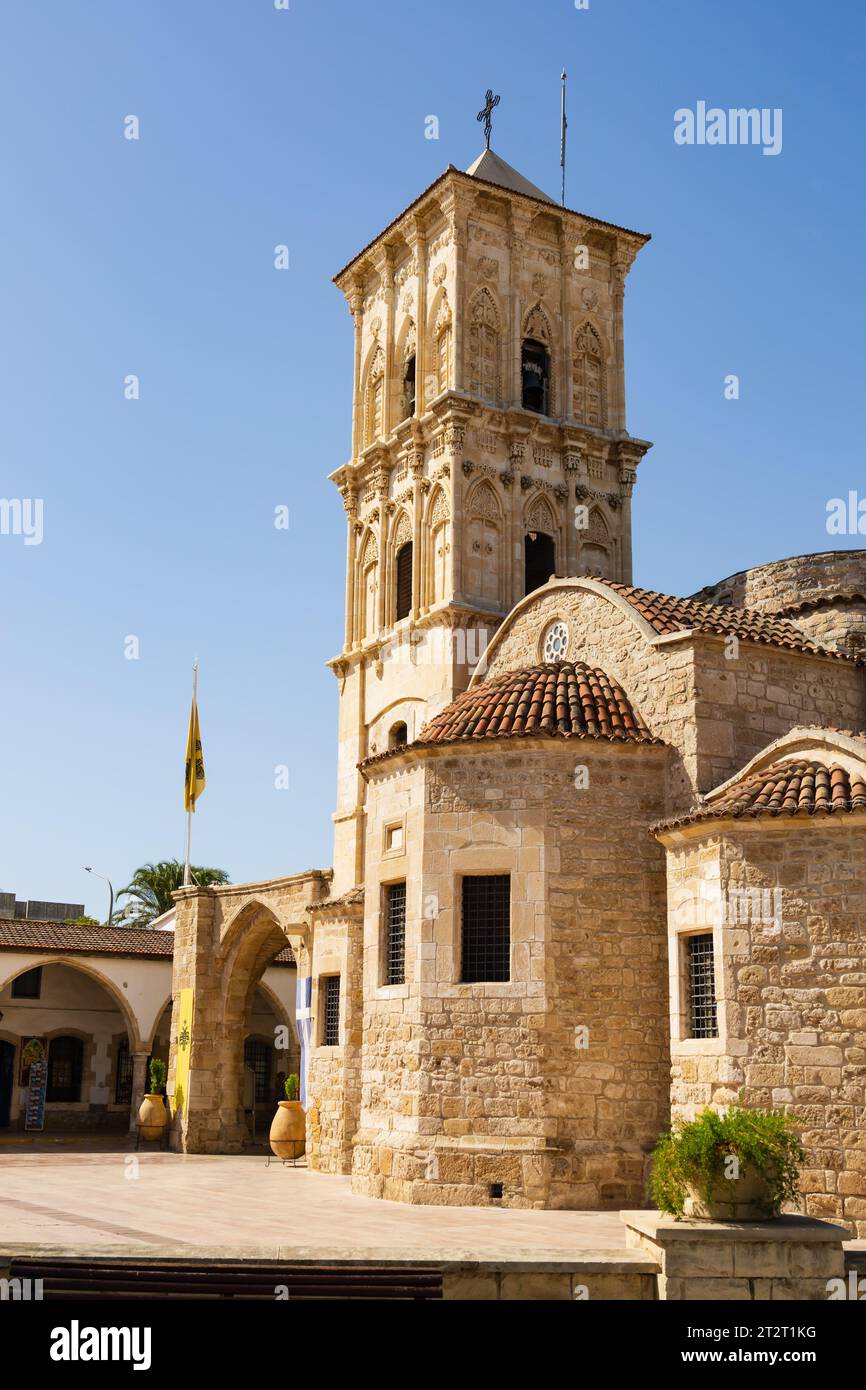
[486, 113]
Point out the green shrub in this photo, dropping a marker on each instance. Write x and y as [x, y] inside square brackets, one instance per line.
[694, 1155]
[292, 1086]
[157, 1076]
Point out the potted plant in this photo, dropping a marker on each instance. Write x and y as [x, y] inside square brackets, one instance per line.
[288, 1136]
[739, 1166]
[152, 1114]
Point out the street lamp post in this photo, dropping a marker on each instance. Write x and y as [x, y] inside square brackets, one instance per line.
[88, 870]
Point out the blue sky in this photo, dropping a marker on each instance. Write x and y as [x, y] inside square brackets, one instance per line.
[155, 257]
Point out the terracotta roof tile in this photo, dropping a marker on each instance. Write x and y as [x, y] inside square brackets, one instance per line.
[666, 614]
[557, 700]
[55, 937]
[800, 787]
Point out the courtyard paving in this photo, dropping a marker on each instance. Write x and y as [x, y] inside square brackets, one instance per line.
[171, 1203]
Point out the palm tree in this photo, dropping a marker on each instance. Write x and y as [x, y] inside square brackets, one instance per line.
[149, 893]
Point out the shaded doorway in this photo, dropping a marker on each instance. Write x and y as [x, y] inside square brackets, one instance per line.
[7, 1077]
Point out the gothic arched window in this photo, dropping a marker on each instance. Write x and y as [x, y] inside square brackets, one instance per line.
[595, 551]
[403, 571]
[368, 607]
[539, 545]
[589, 404]
[484, 544]
[535, 373]
[442, 347]
[374, 399]
[484, 348]
[440, 545]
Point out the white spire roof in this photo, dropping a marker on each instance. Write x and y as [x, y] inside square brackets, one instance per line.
[490, 167]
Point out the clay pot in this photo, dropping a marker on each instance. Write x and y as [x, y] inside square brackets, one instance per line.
[152, 1116]
[288, 1134]
[746, 1198]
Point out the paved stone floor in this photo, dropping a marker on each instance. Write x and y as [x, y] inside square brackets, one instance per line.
[103, 1200]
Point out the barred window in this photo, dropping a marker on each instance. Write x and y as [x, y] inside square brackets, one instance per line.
[331, 1030]
[258, 1056]
[404, 581]
[487, 928]
[702, 987]
[123, 1074]
[395, 964]
[65, 1064]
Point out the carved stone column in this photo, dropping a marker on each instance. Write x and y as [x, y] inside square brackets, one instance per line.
[385, 267]
[418, 244]
[618, 272]
[460, 234]
[350, 505]
[571, 463]
[518, 570]
[512, 386]
[419, 534]
[356, 305]
[627, 479]
[566, 393]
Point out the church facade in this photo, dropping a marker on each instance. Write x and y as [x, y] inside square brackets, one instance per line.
[597, 850]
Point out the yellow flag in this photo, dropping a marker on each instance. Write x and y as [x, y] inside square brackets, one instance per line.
[184, 1039]
[195, 780]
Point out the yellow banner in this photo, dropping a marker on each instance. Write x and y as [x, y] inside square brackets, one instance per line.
[184, 1043]
[194, 779]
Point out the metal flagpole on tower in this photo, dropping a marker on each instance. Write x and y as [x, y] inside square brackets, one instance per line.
[564, 129]
[186, 859]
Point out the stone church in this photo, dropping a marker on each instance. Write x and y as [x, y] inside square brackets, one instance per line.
[598, 850]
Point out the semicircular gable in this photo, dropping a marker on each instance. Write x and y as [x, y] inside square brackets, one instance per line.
[814, 744]
[516, 640]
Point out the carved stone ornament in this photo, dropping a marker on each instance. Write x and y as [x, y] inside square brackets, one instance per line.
[590, 299]
[440, 274]
[506, 479]
[539, 285]
[376, 327]
[488, 268]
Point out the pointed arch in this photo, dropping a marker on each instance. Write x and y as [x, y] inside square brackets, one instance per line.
[374, 397]
[405, 376]
[537, 375]
[436, 548]
[485, 530]
[596, 550]
[400, 566]
[368, 581]
[484, 346]
[539, 515]
[441, 343]
[590, 384]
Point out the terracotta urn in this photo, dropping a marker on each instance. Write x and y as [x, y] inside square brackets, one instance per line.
[288, 1134]
[746, 1198]
[152, 1116]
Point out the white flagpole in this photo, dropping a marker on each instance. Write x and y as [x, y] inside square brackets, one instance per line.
[186, 873]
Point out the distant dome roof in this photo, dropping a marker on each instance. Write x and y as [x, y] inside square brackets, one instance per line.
[562, 700]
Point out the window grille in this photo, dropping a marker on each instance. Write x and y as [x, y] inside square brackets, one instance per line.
[65, 1059]
[331, 1030]
[702, 987]
[395, 973]
[257, 1058]
[487, 928]
[404, 581]
[123, 1074]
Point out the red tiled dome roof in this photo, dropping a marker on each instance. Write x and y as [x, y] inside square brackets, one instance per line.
[801, 787]
[560, 700]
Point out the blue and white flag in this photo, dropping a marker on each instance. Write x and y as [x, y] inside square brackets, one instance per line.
[304, 1020]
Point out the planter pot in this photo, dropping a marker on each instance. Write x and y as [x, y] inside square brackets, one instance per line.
[746, 1198]
[288, 1134]
[152, 1116]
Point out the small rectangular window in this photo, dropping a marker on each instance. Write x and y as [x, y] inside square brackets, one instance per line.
[395, 965]
[702, 986]
[28, 985]
[331, 1028]
[487, 928]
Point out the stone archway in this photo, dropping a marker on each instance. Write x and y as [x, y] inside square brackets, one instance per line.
[225, 939]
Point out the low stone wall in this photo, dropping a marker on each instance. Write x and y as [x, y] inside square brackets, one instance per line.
[793, 1258]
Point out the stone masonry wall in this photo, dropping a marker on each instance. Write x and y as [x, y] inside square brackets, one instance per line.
[470, 1085]
[792, 991]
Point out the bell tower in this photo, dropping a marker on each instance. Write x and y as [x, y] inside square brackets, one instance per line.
[489, 444]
